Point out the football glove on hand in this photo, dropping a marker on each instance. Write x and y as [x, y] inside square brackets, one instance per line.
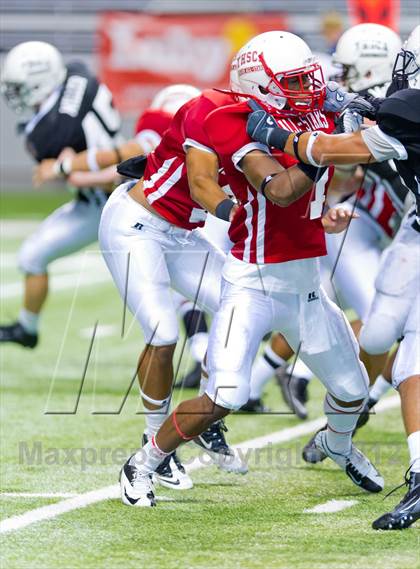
[349, 121]
[336, 99]
[367, 106]
[262, 127]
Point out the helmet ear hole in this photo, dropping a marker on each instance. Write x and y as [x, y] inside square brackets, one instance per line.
[262, 90]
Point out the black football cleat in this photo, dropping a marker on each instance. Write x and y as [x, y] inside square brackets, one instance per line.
[17, 334]
[311, 453]
[407, 511]
[213, 442]
[254, 406]
[294, 390]
[192, 379]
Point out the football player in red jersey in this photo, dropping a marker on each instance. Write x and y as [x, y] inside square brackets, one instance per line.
[271, 277]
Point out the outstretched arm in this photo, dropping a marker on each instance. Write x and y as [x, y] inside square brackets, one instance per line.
[316, 148]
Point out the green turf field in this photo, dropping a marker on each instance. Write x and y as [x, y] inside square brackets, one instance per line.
[58, 445]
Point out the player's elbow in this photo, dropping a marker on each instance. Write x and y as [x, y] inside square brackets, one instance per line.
[281, 194]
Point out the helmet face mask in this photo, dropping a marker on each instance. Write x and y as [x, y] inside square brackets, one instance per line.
[406, 71]
[15, 95]
[303, 89]
[346, 76]
[405, 68]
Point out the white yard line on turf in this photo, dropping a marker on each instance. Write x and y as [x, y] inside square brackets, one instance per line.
[38, 495]
[102, 331]
[109, 492]
[17, 228]
[58, 282]
[331, 507]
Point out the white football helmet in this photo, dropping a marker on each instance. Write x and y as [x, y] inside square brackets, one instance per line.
[279, 70]
[366, 53]
[172, 98]
[31, 72]
[407, 65]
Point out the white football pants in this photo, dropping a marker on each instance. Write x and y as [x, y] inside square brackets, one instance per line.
[68, 229]
[358, 262]
[147, 256]
[395, 308]
[246, 315]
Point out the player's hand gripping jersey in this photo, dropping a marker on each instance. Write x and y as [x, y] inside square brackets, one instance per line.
[79, 114]
[261, 231]
[165, 178]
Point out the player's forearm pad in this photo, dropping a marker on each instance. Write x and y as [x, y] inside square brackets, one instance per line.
[223, 209]
[278, 137]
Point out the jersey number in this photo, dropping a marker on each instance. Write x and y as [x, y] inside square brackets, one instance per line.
[317, 204]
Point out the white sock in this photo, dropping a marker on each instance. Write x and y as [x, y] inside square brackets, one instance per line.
[300, 370]
[29, 320]
[198, 345]
[263, 370]
[148, 458]
[341, 424]
[379, 388]
[413, 441]
[155, 419]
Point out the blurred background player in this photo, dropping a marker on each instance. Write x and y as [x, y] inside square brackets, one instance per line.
[70, 110]
[98, 167]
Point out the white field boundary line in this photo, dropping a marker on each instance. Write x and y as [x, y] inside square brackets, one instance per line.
[331, 507]
[58, 283]
[38, 495]
[111, 492]
[61, 495]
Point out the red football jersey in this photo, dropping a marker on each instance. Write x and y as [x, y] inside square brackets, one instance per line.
[261, 231]
[150, 127]
[372, 198]
[165, 179]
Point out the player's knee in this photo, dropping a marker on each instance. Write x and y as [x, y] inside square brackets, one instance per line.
[353, 385]
[379, 334]
[162, 332]
[31, 260]
[231, 393]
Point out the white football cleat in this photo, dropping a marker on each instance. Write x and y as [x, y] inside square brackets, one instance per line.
[355, 464]
[213, 442]
[136, 488]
